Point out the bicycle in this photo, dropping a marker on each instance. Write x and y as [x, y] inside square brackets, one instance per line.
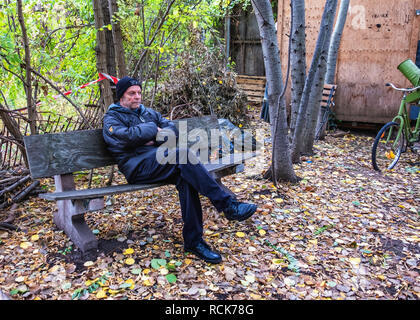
[396, 136]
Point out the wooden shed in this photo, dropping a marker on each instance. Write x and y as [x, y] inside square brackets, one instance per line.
[378, 36]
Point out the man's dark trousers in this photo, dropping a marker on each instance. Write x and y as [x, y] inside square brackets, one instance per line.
[191, 179]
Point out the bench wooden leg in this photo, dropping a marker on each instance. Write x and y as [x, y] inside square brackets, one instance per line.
[70, 215]
[70, 218]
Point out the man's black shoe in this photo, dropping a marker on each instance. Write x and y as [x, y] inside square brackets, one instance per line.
[239, 211]
[204, 252]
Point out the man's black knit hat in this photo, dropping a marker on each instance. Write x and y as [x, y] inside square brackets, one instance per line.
[125, 83]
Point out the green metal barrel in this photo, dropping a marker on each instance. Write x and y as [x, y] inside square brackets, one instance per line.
[410, 71]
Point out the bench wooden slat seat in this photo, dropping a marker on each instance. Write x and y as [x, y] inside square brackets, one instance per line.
[215, 168]
[61, 155]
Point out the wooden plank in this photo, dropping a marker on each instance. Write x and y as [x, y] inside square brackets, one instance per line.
[215, 167]
[258, 93]
[251, 77]
[97, 192]
[205, 122]
[251, 82]
[329, 86]
[251, 85]
[256, 96]
[61, 153]
[252, 99]
[253, 88]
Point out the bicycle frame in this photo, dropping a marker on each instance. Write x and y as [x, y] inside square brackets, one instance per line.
[404, 119]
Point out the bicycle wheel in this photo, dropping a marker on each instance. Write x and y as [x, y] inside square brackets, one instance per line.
[388, 146]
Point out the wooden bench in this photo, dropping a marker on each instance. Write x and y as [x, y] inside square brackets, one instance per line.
[327, 102]
[62, 154]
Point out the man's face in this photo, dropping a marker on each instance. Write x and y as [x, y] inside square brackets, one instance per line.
[131, 98]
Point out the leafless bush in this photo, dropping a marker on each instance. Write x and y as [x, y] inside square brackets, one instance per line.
[198, 83]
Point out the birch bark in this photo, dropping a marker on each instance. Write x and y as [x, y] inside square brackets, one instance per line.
[333, 54]
[336, 40]
[281, 168]
[297, 58]
[299, 133]
[315, 97]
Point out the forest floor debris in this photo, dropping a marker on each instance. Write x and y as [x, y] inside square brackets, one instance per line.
[343, 232]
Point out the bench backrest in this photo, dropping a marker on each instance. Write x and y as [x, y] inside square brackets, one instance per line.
[328, 94]
[63, 153]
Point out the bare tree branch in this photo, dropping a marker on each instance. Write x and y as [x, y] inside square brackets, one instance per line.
[65, 97]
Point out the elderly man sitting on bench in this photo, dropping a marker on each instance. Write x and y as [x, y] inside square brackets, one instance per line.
[130, 131]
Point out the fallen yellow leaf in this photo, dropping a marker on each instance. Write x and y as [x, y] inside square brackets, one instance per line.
[240, 234]
[35, 237]
[25, 245]
[129, 261]
[101, 294]
[128, 251]
[262, 232]
[111, 291]
[131, 282]
[354, 260]
[147, 283]
[255, 296]
[390, 155]
[88, 263]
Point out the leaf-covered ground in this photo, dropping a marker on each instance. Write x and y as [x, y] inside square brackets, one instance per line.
[343, 232]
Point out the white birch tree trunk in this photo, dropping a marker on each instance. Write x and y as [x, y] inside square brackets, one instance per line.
[297, 58]
[333, 54]
[281, 168]
[299, 133]
[336, 40]
[316, 92]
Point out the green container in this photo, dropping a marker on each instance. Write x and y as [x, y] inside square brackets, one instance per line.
[410, 71]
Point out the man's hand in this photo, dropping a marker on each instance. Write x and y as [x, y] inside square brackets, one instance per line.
[152, 142]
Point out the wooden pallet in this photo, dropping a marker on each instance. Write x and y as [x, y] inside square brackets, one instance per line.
[253, 86]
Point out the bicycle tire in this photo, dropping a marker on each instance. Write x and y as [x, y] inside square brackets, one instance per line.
[386, 150]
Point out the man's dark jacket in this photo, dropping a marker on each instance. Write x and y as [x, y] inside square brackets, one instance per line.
[127, 131]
